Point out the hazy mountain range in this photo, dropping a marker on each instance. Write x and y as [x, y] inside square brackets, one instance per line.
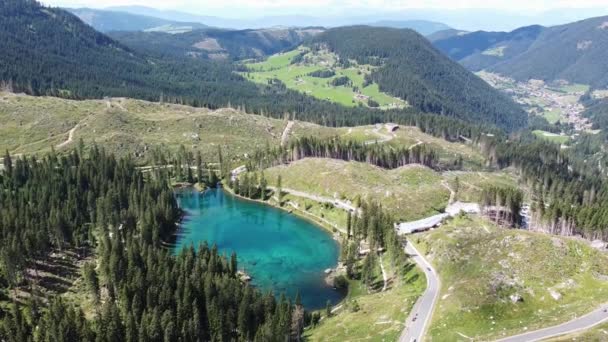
[465, 19]
[137, 18]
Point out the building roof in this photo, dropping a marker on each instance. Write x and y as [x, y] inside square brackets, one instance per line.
[420, 225]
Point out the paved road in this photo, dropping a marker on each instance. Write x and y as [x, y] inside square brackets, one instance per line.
[420, 317]
[576, 325]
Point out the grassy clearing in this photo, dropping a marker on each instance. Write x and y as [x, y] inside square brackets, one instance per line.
[406, 137]
[498, 51]
[381, 315]
[124, 126]
[498, 282]
[471, 184]
[553, 115]
[409, 193]
[575, 88]
[556, 138]
[448, 151]
[296, 76]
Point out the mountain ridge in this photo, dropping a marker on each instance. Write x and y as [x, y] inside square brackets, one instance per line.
[577, 52]
[107, 21]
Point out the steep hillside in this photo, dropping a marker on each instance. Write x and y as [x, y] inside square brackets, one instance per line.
[51, 51]
[477, 50]
[106, 21]
[217, 43]
[410, 68]
[577, 53]
[574, 52]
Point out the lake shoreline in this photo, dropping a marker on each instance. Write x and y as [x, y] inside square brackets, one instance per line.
[324, 233]
[301, 214]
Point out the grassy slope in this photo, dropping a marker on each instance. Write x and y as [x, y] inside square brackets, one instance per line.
[407, 136]
[37, 124]
[381, 315]
[295, 76]
[556, 138]
[410, 192]
[481, 266]
[471, 183]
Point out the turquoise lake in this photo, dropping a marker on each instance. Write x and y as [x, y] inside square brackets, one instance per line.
[282, 252]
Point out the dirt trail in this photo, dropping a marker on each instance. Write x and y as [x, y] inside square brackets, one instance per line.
[383, 137]
[452, 193]
[383, 275]
[70, 137]
[286, 133]
[416, 144]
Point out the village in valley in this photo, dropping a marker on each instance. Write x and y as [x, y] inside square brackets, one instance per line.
[555, 102]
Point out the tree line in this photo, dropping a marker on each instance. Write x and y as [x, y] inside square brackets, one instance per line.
[348, 150]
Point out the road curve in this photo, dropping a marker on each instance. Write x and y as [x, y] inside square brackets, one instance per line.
[422, 312]
[576, 325]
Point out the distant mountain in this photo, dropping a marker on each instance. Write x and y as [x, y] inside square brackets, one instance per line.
[218, 44]
[49, 51]
[575, 52]
[410, 68]
[106, 21]
[178, 16]
[423, 27]
[445, 34]
[478, 50]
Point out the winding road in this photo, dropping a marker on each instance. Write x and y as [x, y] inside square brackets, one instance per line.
[576, 325]
[420, 317]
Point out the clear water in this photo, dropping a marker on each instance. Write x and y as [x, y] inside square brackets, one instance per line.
[281, 251]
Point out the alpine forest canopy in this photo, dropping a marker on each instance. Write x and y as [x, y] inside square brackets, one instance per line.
[412, 69]
[89, 202]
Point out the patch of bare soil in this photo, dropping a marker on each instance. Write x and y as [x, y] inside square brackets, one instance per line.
[209, 44]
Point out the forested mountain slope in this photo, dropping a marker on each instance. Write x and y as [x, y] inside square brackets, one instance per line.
[576, 52]
[217, 43]
[459, 46]
[50, 51]
[478, 50]
[106, 21]
[412, 69]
